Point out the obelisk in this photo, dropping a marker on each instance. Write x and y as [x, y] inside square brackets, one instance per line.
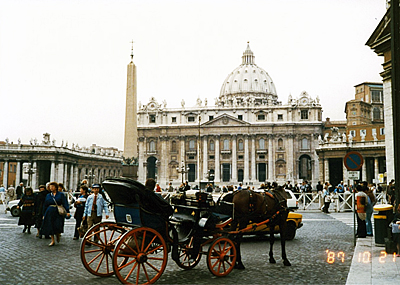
[131, 137]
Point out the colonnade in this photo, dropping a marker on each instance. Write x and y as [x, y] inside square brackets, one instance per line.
[70, 174]
[326, 173]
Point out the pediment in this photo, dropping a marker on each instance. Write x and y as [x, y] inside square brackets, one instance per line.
[226, 120]
[381, 32]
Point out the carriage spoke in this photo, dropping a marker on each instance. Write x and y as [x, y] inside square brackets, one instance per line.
[150, 243]
[155, 258]
[131, 271]
[94, 258]
[144, 239]
[131, 249]
[107, 265]
[154, 249]
[145, 273]
[138, 274]
[101, 260]
[127, 264]
[93, 250]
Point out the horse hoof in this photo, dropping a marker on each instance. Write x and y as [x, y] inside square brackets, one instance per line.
[239, 266]
[272, 260]
[287, 263]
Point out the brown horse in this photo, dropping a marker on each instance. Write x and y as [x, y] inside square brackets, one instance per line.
[258, 207]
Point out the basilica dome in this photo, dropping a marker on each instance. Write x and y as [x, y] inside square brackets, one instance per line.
[248, 82]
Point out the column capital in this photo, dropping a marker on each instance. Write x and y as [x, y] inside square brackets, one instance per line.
[141, 139]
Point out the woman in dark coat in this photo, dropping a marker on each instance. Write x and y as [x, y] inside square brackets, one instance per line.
[39, 200]
[80, 208]
[53, 223]
[27, 218]
[396, 236]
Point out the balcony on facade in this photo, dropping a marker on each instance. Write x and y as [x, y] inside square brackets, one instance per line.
[191, 152]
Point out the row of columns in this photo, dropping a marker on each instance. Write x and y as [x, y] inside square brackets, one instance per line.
[345, 171]
[59, 173]
[249, 171]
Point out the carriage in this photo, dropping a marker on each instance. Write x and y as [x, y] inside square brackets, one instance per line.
[147, 228]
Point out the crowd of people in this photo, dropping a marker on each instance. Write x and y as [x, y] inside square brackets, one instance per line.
[41, 210]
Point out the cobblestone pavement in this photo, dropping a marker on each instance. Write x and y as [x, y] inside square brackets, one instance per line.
[29, 260]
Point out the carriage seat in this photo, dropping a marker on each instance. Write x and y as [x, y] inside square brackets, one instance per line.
[128, 192]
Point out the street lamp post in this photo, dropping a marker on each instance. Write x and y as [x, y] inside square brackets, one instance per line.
[183, 169]
[90, 176]
[199, 153]
[210, 175]
[29, 170]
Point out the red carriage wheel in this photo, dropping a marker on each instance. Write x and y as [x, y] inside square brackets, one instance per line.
[97, 246]
[188, 259]
[221, 256]
[140, 256]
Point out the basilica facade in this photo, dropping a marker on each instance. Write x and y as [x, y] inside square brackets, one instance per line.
[247, 136]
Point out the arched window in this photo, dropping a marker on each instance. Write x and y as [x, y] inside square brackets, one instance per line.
[376, 114]
[280, 143]
[152, 146]
[173, 146]
[304, 144]
[240, 144]
[261, 144]
[212, 145]
[192, 144]
[305, 171]
[226, 144]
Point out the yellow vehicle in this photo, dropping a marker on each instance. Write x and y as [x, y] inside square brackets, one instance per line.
[294, 222]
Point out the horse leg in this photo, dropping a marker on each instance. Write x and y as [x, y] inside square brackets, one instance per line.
[271, 244]
[238, 239]
[239, 264]
[282, 227]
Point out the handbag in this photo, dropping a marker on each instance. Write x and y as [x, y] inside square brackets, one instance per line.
[60, 208]
[395, 228]
[83, 228]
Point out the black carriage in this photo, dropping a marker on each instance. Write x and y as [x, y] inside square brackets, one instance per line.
[146, 229]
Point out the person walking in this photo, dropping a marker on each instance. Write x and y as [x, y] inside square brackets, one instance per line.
[27, 202]
[361, 198]
[53, 222]
[39, 201]
[187, 186]
[20, 190]
[94, 207]
[10, 193]
[396, 231]
[80, 209]
[327, 198]
[369, 209]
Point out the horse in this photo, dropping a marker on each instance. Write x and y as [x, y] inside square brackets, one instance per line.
[258, 207]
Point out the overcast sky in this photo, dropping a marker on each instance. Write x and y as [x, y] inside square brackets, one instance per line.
[63, 63]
